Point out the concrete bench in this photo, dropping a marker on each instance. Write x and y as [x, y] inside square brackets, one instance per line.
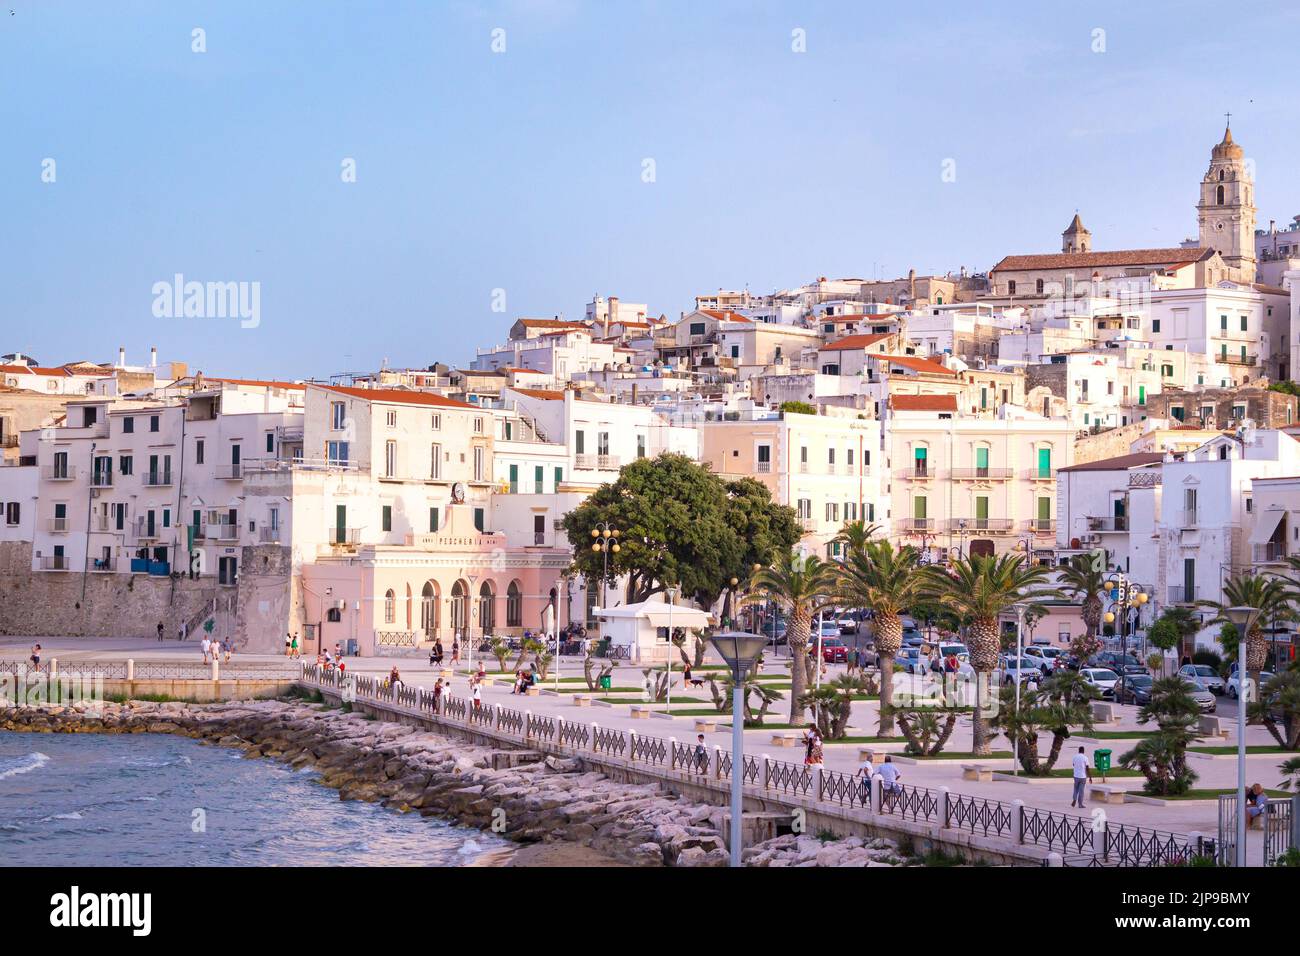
[640, 713]
[533, 691]
[784, 740]
[1100, 793]
[866, 753]
[1213, 727]
[704, 725]
[581, 700]
[1103, 712]
[976, 771]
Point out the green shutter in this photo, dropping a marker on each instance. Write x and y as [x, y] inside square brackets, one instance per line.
[514, 479]
[1044, 509]
[1044, 462]
[982, 508]
[982, 458]
[918, 508]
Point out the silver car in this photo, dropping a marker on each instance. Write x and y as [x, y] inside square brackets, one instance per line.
[1204, 675]
[1204, 699]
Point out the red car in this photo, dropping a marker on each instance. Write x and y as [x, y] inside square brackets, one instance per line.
[834, 651]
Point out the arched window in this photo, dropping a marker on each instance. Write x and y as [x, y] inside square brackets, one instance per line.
[487, 608]
[459, 607]
[1038, 286]
[390, 607]
[514, 606]
[1221, 174]
[1220, 194]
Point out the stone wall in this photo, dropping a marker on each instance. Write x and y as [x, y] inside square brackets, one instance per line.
[267, 604]
[50, 603]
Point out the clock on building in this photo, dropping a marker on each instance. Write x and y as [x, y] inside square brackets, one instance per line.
[458, 492]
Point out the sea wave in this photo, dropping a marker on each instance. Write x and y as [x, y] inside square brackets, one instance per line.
[25, 764]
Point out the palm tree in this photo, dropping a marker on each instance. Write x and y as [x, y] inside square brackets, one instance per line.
[802, 586]
[884, 581]
[1083, 578]
[854, 537]
[980, 589]
[1271, 596]
[1188, 624]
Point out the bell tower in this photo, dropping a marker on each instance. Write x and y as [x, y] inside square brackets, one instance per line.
[1226, 213]
[1076, 237]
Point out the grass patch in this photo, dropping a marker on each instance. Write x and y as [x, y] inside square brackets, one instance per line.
[1116, 734]
[1112, 772]
[1209, 794]
[867, 740]
[937, 857]
[585, 690]
[147, 698]
[1233, 750]
[963, 755]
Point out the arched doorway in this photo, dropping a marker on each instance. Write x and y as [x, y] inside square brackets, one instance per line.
[459, 608]
[429, 610]
[487, 608]
[514, 605]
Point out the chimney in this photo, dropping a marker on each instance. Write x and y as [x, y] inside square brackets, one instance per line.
[153, 356]
[121, 356]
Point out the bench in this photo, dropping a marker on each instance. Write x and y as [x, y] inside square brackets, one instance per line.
[1103, 712]
[866, 753]
[1100, 793]
[1213, 727]
[784, 740]
[976, 771]
[640, 713]
[533, 691]
[581, 700]
[705, 725]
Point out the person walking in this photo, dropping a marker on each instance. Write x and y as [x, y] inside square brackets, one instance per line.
[288, 644]
[293, 648]
[476, 693]
[455, 651]
[701, 755]
[866, 771]
[206, 647]
[36, 658]
[889, 774]
[814, 758]
[1082, 774]
[160, 632]
[437, 695]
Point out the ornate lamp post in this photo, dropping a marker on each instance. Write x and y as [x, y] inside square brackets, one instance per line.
[1125, 597]
[606, 540]
[739, 650]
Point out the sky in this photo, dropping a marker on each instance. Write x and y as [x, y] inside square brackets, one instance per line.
[400, 181]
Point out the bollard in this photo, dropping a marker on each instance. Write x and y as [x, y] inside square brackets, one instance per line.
[1055, 859]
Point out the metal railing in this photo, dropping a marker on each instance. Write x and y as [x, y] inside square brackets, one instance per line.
[345, 536]
[397, 638]
[980, 474]
[1183, 595]
[222, 531]
[56, 562]
[1188, 519]
[1041, 525]
[268, 535]
[1079, 840]
[1107, 522]
[59, 525]
[59, 473]
[230, 472]
[101, 478]
[157, 479]
[1041, 474]
[986, 525]
[1272, 552]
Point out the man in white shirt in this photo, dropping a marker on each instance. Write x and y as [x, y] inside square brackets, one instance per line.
[1082, 774]
[866, 770]
[889, 774]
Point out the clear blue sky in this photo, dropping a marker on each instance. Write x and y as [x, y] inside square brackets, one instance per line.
[523, 170]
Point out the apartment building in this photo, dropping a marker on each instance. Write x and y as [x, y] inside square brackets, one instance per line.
[1112, 506]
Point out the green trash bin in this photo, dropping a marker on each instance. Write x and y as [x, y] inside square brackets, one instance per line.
[605, 682]
[1101, 760]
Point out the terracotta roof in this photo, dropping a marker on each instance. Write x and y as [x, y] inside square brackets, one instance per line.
[923, 403]
[1122, 257]
[726, 315]
[32, 370]
[928, 366]
[851, 342]
[398, 396]
[1135, 460]
[545, 394]
[551, 324]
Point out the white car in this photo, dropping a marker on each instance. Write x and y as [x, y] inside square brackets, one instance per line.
[1045, 657]
[1234, 684]
[847, 624]
[1102, 679]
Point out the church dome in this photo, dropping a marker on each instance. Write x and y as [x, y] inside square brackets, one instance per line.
[1227, 149]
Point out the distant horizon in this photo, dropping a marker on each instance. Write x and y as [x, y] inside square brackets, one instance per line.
[403, 183]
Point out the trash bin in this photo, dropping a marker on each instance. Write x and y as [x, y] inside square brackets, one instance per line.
[605, 682]
[1101, 760]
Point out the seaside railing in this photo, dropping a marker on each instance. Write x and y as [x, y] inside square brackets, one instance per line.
[156, 670]
[1080, 841]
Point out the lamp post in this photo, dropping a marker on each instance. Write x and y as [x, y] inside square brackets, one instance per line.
[1015, 740]
[671, 591]
[1243, 618]
[1125, 597]
[606, 540]
[738, 650]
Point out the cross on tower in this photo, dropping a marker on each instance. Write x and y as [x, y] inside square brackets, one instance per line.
[1229, 116]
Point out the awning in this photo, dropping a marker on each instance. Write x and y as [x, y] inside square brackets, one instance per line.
[1265, 525]
[657, 613]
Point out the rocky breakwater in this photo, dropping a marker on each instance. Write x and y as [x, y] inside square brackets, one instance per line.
[516, 794]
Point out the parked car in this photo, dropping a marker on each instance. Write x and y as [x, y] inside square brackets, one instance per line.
[1131, 670]
[1021, 669]
[1045, 657]
[1234, 685]
[948, 648]
[1135, 690]
[1101, 679]
[848, 624]
[834, 650]
[1113, 661]
[1206, 675]
[912, 661]
[1204, 699]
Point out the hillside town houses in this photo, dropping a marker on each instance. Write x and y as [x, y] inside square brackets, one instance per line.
[1120, 403]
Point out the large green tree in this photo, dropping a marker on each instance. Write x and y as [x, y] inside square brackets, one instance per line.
[680, 524]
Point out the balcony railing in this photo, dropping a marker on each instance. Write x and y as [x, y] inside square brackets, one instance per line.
[539, 538]
[1184, 595]
[59, 473]
[1108, 522]
[269, 535]
[914, 525]
[222, 531]
[1041, 474]
[1247, 360]
[8, 441]
[101, 479]
[230, 472]
[808, 524]
[1041, 525]
[764, 467]
[981, 525]
[1271, 552]
[344, 537]
[157, 479]
[144, 532]
[981, 474]
[919, 474]
[102, 523]
[56, 562]
[607, 462]
[103, 565]
[59, 525]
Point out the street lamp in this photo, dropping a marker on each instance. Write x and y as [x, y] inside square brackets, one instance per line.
[1015, 740]
[671, 591]
[739, 650]
[1125, 597]
[606, 540]
[1243, 618]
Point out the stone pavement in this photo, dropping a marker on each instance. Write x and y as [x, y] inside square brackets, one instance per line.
[1053, 794]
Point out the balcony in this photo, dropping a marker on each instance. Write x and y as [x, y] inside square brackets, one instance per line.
[221, 531]
[981, 525]
[539, 539]
[156, 479]
[59, 473]
[345, 537]
[269, 535]
[103, 565]
[1272, 552]
[1041, 525]
[917, 525]
[608, 462]
[1107, 522]
[1184, 595]
[8, 441]
[144, 531]
[981, 474]
[59, 525]
[808, 524]
[102, 523]
[1040, 474]
[764, 467]
[101, 479]
[230, 472]
[1246, 360]
[56, 562]
[917, 474]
